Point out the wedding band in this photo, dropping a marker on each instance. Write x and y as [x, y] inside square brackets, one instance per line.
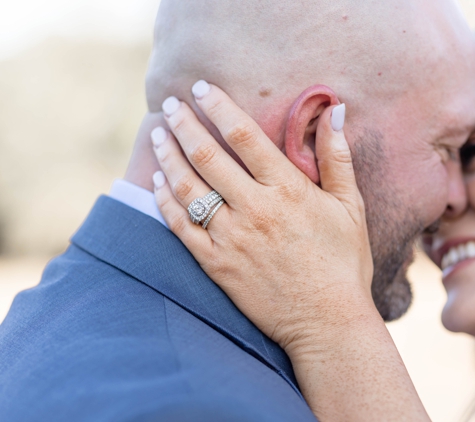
[200, 208]
[215, 201]
[212, 213]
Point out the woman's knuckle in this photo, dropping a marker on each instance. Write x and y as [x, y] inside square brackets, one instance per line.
[179, 125]
[183, 187]
[290, 193]
[342, 156]
[162, 201]
[178, 224]
[243, 133]
[214, 110]
[164, 155]
[263, 220]
[204, 155]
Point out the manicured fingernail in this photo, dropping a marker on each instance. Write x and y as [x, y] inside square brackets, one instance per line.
[170, 105]
[338, 117]
[159, 179]
[158, 136]
[200, 89]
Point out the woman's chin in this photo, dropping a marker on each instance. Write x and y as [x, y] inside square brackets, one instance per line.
[458, 314]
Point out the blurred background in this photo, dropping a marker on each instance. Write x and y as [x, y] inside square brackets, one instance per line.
[71, 99]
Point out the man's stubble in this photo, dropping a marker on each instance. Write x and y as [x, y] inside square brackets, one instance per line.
[392, 225]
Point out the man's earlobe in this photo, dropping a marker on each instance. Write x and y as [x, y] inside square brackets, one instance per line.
[302, 125]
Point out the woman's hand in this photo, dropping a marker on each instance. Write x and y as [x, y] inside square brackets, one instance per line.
[285, 251]
[295, 258]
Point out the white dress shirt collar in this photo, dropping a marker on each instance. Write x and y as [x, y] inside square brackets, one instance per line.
[136, 197]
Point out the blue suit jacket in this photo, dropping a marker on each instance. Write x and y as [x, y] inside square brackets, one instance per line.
[125, 326]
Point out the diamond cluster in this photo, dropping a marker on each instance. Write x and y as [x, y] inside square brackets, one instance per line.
[200, 208]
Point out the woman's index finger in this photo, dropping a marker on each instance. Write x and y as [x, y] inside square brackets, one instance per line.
[259, 154]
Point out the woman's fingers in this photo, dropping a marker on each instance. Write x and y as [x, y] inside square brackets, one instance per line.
[176, 187]
[260, 155]
[205, 154]
[184, 182]
[334, 160]
[178, 220]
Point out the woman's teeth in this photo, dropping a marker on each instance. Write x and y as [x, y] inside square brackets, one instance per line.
[458, 253]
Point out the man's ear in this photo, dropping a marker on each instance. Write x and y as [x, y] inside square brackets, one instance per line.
[302, 127]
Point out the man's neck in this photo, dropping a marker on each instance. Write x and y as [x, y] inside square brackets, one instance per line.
[143, 163]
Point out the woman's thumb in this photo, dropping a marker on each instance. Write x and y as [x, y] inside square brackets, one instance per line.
[334, 156]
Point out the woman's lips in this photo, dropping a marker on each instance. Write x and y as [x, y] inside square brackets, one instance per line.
[449, 271]
[454, 253]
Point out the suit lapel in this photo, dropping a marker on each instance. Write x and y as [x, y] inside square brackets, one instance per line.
[143, 248]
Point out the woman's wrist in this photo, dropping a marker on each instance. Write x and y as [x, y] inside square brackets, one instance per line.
[352, 365]
[352, 313]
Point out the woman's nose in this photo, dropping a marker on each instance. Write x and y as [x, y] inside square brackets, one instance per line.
[457, 199]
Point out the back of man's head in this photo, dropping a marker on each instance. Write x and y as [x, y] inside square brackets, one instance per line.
[405, 69]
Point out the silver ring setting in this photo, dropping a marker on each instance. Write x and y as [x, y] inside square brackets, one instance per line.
[212, 213]
[202, 208]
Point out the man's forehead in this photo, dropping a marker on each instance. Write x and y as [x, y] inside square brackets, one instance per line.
[447, 92]
[457, 110]
[458, 122]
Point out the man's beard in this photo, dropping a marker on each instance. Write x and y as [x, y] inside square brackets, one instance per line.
[392, 225]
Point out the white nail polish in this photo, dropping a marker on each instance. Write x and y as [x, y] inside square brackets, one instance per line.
[159, 179]
[200, 89]
[158, 136]
[170, 105]
[338, 117]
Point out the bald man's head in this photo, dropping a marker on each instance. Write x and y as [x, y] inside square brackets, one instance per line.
[404, 69]
[266, 53]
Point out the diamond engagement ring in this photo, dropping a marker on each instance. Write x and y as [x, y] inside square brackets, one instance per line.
[201, 208]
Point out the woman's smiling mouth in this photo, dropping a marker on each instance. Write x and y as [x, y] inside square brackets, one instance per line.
[456, 253]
